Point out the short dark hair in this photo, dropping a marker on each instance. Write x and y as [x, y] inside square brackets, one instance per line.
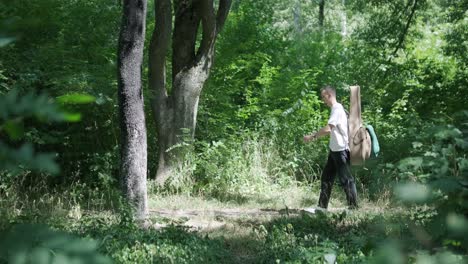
[329, 89]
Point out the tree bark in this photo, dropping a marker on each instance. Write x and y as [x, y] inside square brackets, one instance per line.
[133, 145]
[297, 18]
[175, 108]
[344, 23]
[321, 12]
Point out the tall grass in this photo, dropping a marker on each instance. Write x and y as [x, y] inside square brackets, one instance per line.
[232, 169]
[40, 200]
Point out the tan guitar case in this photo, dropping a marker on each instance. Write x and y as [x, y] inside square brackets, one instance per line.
[359, 138]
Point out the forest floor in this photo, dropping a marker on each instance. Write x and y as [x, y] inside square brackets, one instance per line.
[206, 220]
[280, 225]
[240, 224]
[206, 215]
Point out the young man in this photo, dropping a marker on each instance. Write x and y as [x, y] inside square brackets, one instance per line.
[338, 162]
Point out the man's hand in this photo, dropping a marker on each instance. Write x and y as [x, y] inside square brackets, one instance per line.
[308, 138]
[322, 132]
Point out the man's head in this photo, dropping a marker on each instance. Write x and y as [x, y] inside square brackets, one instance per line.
[328, 95]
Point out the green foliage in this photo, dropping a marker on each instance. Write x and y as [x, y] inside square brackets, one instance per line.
[230, 169]
[287, 247]
[122, 239]
[348, 237]
[15, 106]
[75, 98]
[242, 170]
[5, 41]
[65, 49]
[173, 245]
[325, 237]
[41, 245]
[436, 175]
[262, 97]
[16, 110]
[29, 243]
[17, 160]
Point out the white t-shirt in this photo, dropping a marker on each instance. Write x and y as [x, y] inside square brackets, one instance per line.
[339, 133]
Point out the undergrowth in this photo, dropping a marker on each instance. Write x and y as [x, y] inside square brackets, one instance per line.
[88, 214]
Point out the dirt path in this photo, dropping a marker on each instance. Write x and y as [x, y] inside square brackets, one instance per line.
[206, 220]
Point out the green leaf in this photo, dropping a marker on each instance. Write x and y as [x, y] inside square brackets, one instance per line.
[458, 224]
[448, 257]
[462, 143]
[446, 185]
[76, 98]
[46, 162]
[18, 258]
[25, 152]
[101, 100]
[412, 192]
[40, 255]
[410, 164]
[60, 258]
[5, 41]
[425, 258]
[71, 117]
[417, 145]
[390, 252]
[330, 258]
[14, 129]
[448, 133]
[33, 243]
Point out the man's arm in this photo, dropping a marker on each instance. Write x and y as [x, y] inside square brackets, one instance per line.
[322, 132]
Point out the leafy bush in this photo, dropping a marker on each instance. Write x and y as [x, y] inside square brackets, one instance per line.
[231, 169]
[436, 176]
[39, 244]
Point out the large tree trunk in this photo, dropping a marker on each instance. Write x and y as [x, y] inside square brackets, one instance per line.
[181, 108]
[175, 108]
[133, 148]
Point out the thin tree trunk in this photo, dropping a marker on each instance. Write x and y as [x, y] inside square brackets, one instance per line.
[176, 111]
[297, 18]
[344, 24]
[161, 102]
[133, 145]
[406, 29]
[321, 12]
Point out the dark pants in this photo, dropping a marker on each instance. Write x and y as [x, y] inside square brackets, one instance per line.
[338, 163]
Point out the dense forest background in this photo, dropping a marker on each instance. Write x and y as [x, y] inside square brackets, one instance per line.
[59, 130]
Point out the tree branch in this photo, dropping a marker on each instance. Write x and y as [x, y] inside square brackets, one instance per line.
[406, 29]
[187, 22]
[208, 19]
[159, 46]
[398, 13]
[212, 23]
[223, 11]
